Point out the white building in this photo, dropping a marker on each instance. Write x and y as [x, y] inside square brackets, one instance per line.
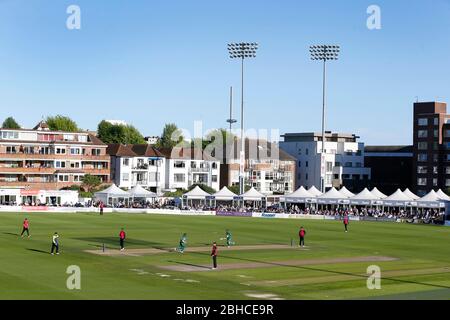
[343, 164]
[139, 164]
[188, 166]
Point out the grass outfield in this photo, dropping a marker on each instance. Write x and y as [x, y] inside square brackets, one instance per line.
[333, 266]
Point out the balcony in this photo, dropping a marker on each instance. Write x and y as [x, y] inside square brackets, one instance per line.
[37, 156]
[204, 169]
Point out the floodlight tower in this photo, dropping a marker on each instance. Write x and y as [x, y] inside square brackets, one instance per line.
[242, 51]
[323, 53]
[230, 120]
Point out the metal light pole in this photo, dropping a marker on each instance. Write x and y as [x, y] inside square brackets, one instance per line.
[323, 53]
[231, 120]
[242, 50]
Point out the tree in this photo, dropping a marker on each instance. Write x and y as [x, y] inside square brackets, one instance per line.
[235, 188]
[170, 137]
[203, 187]
[61, 123]
[10, 123]
[91, 182]
[119, 133]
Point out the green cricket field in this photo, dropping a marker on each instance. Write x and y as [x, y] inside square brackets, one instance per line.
[265, 263]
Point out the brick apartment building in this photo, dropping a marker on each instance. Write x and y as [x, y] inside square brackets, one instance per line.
[41, 159]
[431, 147]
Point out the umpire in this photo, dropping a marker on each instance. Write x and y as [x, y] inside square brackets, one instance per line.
[214, 255]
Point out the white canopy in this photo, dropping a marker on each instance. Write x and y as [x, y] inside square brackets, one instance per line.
[139, 192]
[397, 198]
[224, 194]
[252, 194]
[430, 196]
[112, 192]
[196, 194]
[332, 194]
[442, 195]
[313, 190]
[377, 193]
[364, 195]
[411, 195]
[299, 195]
[346, 192]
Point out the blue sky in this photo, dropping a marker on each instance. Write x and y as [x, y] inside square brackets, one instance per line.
[153, 62]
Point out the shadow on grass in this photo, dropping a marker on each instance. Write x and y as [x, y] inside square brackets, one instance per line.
[189, 264]
[38, 251]
[114, 241]
[11, 234]
[279, 264]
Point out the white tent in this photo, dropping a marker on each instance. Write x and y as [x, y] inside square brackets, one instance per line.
[332, 196]
[299, 195]
[139, 192]
[253, 195]
[411, 195]
[430, 200]
[377, 193]
[365, 197]
[398, 198]
[313, 190]
[224, 195]
[346, 192]
[442, 195]
[112, 193]
[196, 194]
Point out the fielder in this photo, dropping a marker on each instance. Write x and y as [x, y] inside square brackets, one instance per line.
[26, 228]
[229, 238]
[182, 245]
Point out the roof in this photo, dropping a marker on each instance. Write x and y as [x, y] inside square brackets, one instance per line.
[314, 191]
[398, 196]
[377, 193]
[187, 153]
[42, 125]
[411, 195]
[120, 150]
[139, 192]
[252, 194]
[196, 193]
[346, 192]
[389, 149]
[146, 150]
[442, 195]
[113, 191]
[431, 196]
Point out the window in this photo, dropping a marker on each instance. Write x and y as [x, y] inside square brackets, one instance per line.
[214, 178]
[178, 164]
[299, 164]
[337, 164]
[125, 176]
[256, 175]
[96, 152]
[422, 146]
[75, 151]
[422, 133]
[358, 164]
[447, 133]
[299, 151]
[435, 170]
[348, 164]
[74, 164]
[307, 151]
[11, 149]
[64, 178]
[60, 164]
[435, 133]
[10, 135]
[435, 182]
[126, 162]
[422, 121]
[299, 176]
[436, 121]
[329, 166]
[179, 177]
[77, 178]
[328, 178]
[82, 138]
[447, 182]
[69, 137]
[421, 169]
[306, 176]
[60, 151]
[269, 175]
[44, 150]
[214, 165]
[422, 181]
[193, 164]
[422, 157]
